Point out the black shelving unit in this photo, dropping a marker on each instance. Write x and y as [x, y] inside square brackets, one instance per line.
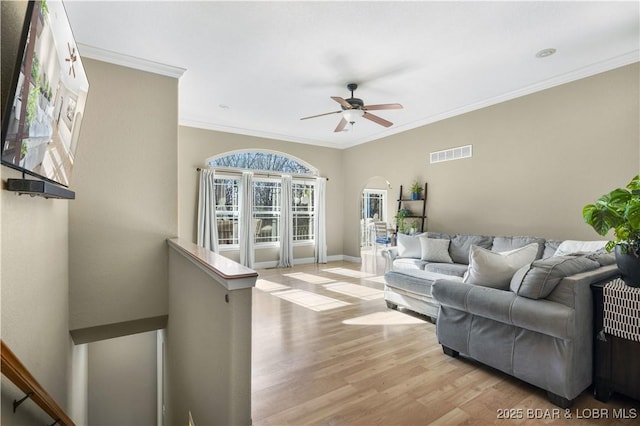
[412, 205]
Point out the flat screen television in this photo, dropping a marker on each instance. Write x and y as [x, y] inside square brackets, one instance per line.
[45, 103]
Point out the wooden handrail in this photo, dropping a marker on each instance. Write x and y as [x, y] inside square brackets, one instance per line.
[15, 371]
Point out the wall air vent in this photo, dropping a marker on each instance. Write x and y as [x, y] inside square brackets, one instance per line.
[452, 154]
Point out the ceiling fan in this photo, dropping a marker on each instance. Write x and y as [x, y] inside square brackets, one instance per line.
[72, 59]
[353, 108]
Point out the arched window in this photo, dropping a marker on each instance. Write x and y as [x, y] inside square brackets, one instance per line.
[263, 161]
[267, 166]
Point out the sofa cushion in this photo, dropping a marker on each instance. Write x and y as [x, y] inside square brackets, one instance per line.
[460, 245]
[568, 247]
[431, 234]
[408, 246]
[408, 263]
[453, 269]
[492, 269]
[435, 250]
[418, 282]
[550, 248]
[602, 257]
[502, 244]
[538, 279]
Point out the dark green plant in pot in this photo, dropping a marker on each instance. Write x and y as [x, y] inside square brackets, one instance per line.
[620, 210]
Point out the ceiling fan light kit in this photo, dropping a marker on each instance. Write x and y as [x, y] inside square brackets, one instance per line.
[354, 108]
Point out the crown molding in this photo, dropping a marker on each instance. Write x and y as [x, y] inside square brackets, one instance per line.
[103, 55]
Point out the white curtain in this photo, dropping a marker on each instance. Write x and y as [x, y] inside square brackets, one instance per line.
[320, 226]
[246, 231]
[286, 223]
[207, 228]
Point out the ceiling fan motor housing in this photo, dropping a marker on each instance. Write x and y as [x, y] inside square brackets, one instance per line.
[355, 103]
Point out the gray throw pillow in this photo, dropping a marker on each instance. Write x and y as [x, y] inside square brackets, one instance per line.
[435, 250]
[460, 245]
[492, 269]
[538, 279]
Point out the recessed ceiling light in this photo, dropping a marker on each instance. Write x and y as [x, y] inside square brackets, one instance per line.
[545, 52]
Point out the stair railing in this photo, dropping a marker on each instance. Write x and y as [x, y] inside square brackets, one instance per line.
[15, 371]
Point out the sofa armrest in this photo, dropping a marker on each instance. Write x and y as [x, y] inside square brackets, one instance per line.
[389, 255]
[542, 316]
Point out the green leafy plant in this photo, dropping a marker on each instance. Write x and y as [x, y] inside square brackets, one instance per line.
[416, 188]
[618, 210]
[402, 214]
[44, 7]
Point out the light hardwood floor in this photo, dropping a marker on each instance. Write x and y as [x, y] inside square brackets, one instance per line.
[318, 361]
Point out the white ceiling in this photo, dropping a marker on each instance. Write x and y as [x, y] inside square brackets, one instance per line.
[256, 68]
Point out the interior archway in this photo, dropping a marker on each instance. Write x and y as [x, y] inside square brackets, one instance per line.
[375, 207]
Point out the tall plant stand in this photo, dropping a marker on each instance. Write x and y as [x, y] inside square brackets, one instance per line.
[617, 339]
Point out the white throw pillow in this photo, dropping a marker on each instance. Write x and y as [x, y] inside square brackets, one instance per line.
[572, 246]
[435, 250]
[491, 269]
[408, 246]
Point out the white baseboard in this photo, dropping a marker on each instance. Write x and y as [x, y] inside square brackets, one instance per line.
[308, 260]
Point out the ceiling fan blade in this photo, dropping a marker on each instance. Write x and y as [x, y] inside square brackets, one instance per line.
[381, 121]
[320, 115]
[341, 125]
[342, 102]
[381, 106]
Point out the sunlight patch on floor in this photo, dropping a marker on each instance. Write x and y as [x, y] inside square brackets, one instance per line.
[266, 285]
[310, 300]
[378, 279]
[355, 290]
[309, 278]
[384, 318]
[349, 272]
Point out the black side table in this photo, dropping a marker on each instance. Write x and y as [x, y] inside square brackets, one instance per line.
[616, 366]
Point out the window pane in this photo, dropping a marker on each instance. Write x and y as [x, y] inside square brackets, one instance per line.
[266, 210]
[227, 211]
[303, 211]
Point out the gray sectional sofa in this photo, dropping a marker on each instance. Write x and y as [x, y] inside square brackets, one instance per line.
[519, 304]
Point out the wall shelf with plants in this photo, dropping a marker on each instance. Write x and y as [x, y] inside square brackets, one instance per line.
[412, 209]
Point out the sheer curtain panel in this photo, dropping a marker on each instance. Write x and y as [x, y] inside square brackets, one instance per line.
[320, 224]
[286, 223]
[246, 231]
[207, 227]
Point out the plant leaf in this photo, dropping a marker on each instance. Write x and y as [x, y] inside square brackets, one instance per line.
[601, 217]
[634, 185]
[616, 199]
[633, 214]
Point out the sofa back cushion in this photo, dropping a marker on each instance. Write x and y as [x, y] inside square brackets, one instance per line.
[492, 269]
[550, 247]
[569, 247]
[461, 244]
[538, 279]
[502, 244]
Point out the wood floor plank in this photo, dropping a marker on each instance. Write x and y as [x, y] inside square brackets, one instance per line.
[329, 368]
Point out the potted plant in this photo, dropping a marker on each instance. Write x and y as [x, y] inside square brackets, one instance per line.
[620, 210]
[402, 214]
[416, 190]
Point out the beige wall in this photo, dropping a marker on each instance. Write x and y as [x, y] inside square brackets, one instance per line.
[125, 180]
[122, 381]
[208, 347]
[34, 274]
[537, 160]
[196, 145]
